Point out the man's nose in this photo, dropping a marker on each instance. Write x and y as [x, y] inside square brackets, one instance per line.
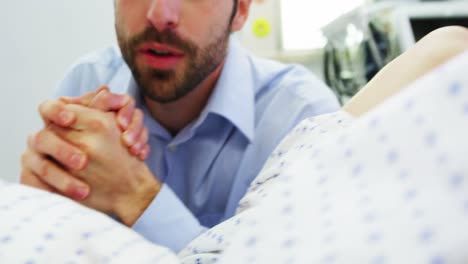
[164, 14]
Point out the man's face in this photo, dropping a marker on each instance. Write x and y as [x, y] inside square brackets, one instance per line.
[171, 46]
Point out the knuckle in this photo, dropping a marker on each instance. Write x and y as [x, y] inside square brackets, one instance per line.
[24, 158]
[91, 147]
[131, 101]
[85, 98]
[43, 168]
[144, 135]
[109, 120]
[37, 138]
[30, 139]
[68, 186]
[127, 110]
[64, 152]
[103, 97]
[137, 119]
[137, 147]
[102, 87]
[134, 150]
[97, 124]
[48, 106]
[42, 106]
[24, 177]
[129, 106]
[144, 152]
[28, 178]
[138, 114]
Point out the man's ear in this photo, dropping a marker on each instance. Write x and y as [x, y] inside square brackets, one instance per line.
[241, 15]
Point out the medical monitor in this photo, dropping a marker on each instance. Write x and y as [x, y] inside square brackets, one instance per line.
[414, 21]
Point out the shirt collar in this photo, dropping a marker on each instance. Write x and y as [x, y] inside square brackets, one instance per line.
[233, 96]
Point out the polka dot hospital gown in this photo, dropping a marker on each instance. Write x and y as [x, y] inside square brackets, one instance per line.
[388, 187]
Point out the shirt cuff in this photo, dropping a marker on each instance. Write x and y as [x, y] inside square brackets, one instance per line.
[168, 222]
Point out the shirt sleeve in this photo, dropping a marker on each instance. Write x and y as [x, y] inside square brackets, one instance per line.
[168, 222]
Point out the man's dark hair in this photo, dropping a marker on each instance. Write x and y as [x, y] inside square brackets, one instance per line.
[234, 10]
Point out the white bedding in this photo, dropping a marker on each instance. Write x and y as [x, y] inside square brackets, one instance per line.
[390, 187]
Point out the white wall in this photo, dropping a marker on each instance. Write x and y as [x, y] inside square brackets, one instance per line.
[38, 41]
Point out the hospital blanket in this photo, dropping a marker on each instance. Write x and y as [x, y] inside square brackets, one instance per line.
[389, 187]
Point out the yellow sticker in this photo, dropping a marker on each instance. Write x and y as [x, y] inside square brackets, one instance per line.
[261, 28]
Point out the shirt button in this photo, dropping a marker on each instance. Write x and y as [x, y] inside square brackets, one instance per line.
[172, 148]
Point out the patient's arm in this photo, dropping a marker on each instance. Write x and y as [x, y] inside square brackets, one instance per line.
[431, 51]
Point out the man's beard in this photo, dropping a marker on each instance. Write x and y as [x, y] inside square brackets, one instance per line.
[166, 86]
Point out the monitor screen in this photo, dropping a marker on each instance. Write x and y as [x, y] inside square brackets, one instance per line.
[421, 26]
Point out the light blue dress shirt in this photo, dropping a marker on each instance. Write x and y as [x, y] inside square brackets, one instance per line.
[207, 167]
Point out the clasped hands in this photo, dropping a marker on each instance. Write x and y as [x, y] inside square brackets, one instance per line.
[92, 149]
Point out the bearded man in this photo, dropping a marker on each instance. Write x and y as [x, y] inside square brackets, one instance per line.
[212, 114]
